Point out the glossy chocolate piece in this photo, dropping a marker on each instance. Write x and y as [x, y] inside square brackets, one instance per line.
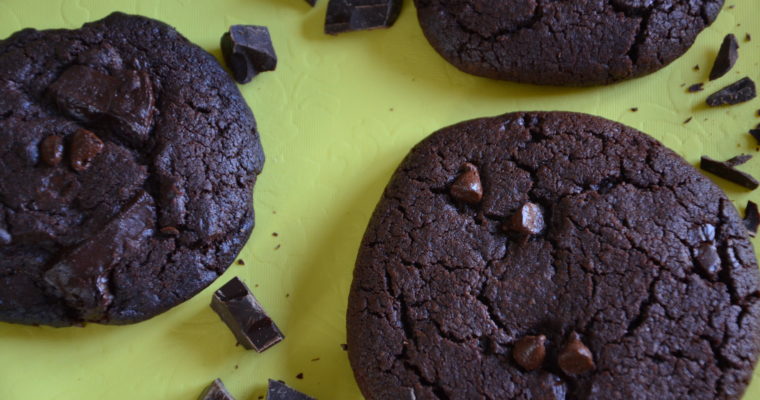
[575, 358]
[357, 15]
[248, 51]
[467, 187]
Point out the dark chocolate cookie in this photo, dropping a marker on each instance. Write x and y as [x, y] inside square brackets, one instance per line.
[596, 265]
[548, 42]
[127, 162]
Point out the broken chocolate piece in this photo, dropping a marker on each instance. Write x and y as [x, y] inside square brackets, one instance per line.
[356, 15]
[131, 111]
[575, 358]
[735, 93]
[245, 317]
[726, 58]
[248, 50]
[530, 352]
[216, 391]
[738, 160]
[755, 134]
[280, 391]
[85, 146]
[727, 171]
[84, 93]
[51, 150]
[697, 87]
[527, 220]
[708, 259]
[467, 186]
[751, 218]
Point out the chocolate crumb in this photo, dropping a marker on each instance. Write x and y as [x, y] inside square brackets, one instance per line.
[751, 218]
[241, 262]
[747, 37]
[687, 120]
[300, 375]
[530, 352]
[275, 234]
[315, 359]
[344, 346]
[277, 247]
[697, 87]
[696, 67]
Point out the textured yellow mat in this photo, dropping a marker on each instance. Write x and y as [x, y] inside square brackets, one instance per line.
[336, 117]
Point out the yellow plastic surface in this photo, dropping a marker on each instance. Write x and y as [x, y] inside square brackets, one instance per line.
[336, 118]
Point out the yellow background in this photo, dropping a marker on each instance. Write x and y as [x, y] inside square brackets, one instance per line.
[336, 117]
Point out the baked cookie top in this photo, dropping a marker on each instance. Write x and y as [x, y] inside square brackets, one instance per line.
[552, 256]
[127, 162]
[580, 42]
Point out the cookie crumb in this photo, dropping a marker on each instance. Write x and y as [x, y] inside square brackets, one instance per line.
[687, 120]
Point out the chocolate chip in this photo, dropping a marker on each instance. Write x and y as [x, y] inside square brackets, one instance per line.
[84, 93]
[216, 391]
[735, 93]
[530, 352]
[708, 259]
[726, 58]
[170, 231]
[727, 171]
[245, 317]
[467, 186]
[5, 237]
[51, 150]
[356, 15]
[278, 390]
[85, 146]
[751, 218]
[697, 87]
[528, 220]
[575, 358]
[696, 67]
[248, 50]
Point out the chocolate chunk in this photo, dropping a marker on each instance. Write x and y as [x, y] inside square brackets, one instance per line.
[356, 15]
[248, 50]
[575, 358]
[708, 259]
[81, 276]
[528, 220]
[311, 2]
[697, 87]
[245, 317]
[727, 171]
[735, 93]
[216, 391]
[530, 352]
[170, 231]
[755, 134]
[5, 237]
[51, 150]
[84, 93]
[280, 391]
[751, 218]
[738, 160]
[85, 146]
[467, 186]
[130, 114]
[727, 56]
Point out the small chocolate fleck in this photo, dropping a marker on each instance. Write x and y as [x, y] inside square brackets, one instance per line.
[354, 15]
[51, 150]
[530, 352]
[751, 218]
[575, 358]
[727, 171]
[344, 346]
[315, 359]
[735, 93]
[85, 146]
[687, 120]
[738, 160]
[708, 259]
[527, 220]
[755, 134]
[747, 37]
[278, 390]
[467, 186]
[300, 375]
[241, 262]
[277, 247]
[696, 67]
[697, 87]
[634, 109]
[726, 58]
[275, 234]
[170, 231]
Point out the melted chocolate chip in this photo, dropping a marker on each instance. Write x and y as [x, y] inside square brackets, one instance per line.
[735, 93]
[530, 352]
[708, 259]
[85, 146]
[51, 150]
[528, 220]
[575, 358]
[467, 187]
[697, 87]
[727, 56]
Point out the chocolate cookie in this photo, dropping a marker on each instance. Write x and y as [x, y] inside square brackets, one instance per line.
[581, 42]
[596, 265]
[127, 163]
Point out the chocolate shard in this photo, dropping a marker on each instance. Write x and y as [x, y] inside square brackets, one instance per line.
[755, 134]
[751, 218]
[85, 146]
[245, 317]
[727, 171]
[530, 352]
[697, 87]
[248, 51]
[738, 160]
[215, 391]
[575, 358]
[131, 112]
[84, 93]
[51, 150]
[708, 259]
[356, 15]
[726, 58]
[527, 220]
[735, 93]
[280, 391]
[81, 277]
[467, 187]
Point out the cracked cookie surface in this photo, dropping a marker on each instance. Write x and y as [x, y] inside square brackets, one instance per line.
[550, 42]
[127, 163]
[640, 260]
